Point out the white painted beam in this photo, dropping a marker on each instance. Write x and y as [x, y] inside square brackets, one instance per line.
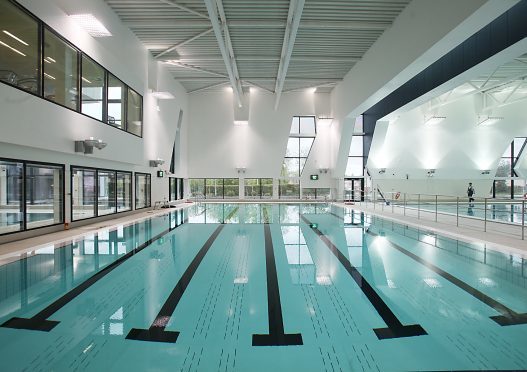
[293, 21]
[168, 50]
[227, 59]
[182, 7]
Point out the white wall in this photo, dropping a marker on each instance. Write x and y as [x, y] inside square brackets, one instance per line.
[457, 148]
[217, 147]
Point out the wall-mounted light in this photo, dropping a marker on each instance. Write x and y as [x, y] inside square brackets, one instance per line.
[485, 120]
[323, 170]
[163, 95]
[241, 170]
[91, 24]
[241, 122]
[431, 172]
[324, 121]
[485, 171]
[434, 119]
[86, 146]
[156, 162]
[382, 170]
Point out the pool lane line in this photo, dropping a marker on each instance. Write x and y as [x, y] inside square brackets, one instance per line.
[157, 332]
[40, 322]
[276, 335]
[395, 328]
[507, 317]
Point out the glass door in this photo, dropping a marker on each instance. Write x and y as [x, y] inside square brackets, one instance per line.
[354, 189]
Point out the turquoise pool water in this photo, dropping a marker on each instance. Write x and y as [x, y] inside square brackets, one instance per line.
[259, 287]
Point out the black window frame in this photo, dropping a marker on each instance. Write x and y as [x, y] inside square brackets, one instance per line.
[96, 202]
[148, 176]
[24, 196]
[40, 74]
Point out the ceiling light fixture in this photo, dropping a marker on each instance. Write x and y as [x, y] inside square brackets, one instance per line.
[91, 24]
[16, 38]
[163, 95]
[433, 119]
[13, 49]
[324, 121]
[486, 120]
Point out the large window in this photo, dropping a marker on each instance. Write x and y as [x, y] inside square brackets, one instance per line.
[355, 165]
[231, 188]
[197, 187]
[214, 188]
[93, 88]
[11, 196]
[19, 64]
[289, 189]
[44, 195]
[36, 59]
[60, 71]
[31, 195]
[258, 188]
[116, 102]
[509, 188]
[172, 188]
[316, 193]
[142, 190]
[124, 191]
[301, 138]
[99, 192]
[83, 194]
[106, 196]
[134, 119]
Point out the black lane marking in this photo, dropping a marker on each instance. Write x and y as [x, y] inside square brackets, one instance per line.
[40, 322]
[395, 328]
[157, 332]
[276, 336]
[507, 317]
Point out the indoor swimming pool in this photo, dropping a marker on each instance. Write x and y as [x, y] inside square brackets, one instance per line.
[260, 287]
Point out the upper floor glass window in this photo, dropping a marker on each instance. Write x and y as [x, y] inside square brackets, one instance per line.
[60, 71]
[134, 119]
[301, 138]
[93, 87]
[116, 102]
[19, 64]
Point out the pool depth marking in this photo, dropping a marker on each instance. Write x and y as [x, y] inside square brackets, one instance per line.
[40, 322]
[507, 317]
[395, 328]
[276, 336]
[157, 332]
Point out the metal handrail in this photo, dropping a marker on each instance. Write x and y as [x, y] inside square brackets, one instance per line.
[430, 203]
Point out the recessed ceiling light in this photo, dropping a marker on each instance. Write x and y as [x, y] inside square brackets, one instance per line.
[91, 24]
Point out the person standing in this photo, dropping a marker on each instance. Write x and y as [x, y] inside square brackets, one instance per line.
[470, 193]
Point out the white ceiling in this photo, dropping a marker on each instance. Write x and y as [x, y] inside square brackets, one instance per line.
[331, 37]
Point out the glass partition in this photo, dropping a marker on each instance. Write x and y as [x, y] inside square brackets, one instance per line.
[289, 189]
[11, 196]
[134, 118]
[106, 203]
[124, 191]
[19, 48]
[231, 188]
[116, 99]
[83, 193]
[267, 188]
[172, 188]
[214, 188]
[60, 71]
[44, 195]
[142, 190]
[93, 88]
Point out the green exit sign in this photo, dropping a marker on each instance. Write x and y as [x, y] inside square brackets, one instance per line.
[314, 177]
[161, 173]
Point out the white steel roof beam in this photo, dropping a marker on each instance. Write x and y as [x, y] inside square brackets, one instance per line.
[182, 7]
[168, 50]
[227, 58]
[293, 21]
